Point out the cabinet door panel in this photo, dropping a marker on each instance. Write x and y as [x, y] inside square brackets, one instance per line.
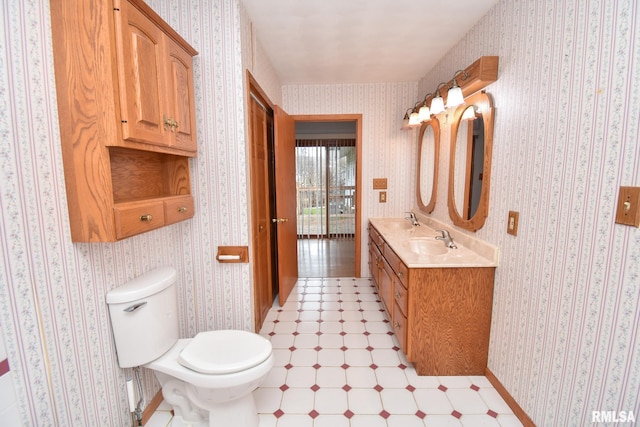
[141, 74]
[180, 88]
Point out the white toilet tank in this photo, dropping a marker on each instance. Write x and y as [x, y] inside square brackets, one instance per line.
[144, 317]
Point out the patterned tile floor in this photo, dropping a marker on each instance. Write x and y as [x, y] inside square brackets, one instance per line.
[337, 364]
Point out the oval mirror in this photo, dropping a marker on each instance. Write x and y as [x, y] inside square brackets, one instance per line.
[470, 162]
[428, 148]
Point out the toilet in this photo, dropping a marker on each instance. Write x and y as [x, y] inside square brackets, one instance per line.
[208, 379]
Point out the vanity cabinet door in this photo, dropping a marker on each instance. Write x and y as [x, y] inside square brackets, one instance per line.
[374, 262]
[386, 285]
[400, 326]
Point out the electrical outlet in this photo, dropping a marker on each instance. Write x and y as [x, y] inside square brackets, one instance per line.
[379, 183]
[512, 223]
[382, 198]
[628, 212]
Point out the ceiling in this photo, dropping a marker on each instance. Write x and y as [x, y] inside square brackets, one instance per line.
[360, 41]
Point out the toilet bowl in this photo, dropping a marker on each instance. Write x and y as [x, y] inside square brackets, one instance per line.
[209, 379]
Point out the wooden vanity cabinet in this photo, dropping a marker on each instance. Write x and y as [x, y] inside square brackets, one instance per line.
[441, 316]
[120, 72]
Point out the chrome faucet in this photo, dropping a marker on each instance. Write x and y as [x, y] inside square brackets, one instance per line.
[446, 238]
[413, 219]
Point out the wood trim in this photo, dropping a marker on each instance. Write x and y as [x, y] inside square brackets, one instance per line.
[515, 407]
[431, 204]
[258, 92]
[347, 118]
[152, 407]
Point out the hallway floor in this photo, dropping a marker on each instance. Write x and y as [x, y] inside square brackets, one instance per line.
[337, 364]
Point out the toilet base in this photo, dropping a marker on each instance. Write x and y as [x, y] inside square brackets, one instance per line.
[237, 413]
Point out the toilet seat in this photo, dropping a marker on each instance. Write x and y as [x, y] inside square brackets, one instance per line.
[224, 352]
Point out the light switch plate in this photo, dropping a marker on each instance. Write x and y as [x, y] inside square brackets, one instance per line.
[628, 212]
[382, 198]
[512, 223]
[379, 183]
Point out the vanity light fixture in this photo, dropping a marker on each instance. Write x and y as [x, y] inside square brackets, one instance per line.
[454, 96]
[437, 103]
[469, 113]
[405, 120]
[414, 117]
[424, 114]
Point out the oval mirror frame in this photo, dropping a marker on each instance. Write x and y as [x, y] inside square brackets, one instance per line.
[427, 206]
[484, 108]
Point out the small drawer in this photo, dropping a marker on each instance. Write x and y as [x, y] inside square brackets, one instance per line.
[396, 263]
[178, 209]
[375, 236]
[137, 217]
[400, 296]
[400, 326]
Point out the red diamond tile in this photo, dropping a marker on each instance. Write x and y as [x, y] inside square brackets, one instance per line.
[395, 347]
[315, 387]
[318, 333]
[474, 387]
[402, 366]
[292, 348]
[373, 366]
[279, 310]
[348, 414]
[343, 348]
[420, 415]
[346, 387]
[456, 414]
[313, 414]
[317, 366]
[319, 320]
[493, 414]
[385, 321]
[296, 333]
[345, 366]
[284, 387]
[364, 321]
[343, 333]
[369, 348]
[276, 321]
[367, 333]
[317, 348]
[341, 320]
[271, 334]
[341, 310]
[378, 388]
[358, 300]
[339, 299]
[288, 366]
[410, 388]
[384, 414]
[389, 333]
[278, 413]
[381, 310]
[298, 321]
[442, 388]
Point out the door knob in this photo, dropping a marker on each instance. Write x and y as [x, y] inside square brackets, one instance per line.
[276, 220]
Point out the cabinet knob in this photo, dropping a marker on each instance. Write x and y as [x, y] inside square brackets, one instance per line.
[182, 209]
[401, 275]
[279, 220]
[396, 325]
[146, 218]
[397, 294]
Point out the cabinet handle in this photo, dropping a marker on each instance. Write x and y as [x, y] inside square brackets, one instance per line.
[146, 218]
[169, 122]
[182, 209]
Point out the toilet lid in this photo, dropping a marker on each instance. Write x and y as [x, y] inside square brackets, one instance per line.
[224, 352]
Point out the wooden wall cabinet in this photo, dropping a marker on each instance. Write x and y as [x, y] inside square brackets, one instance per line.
[441, 316]
[124, 84]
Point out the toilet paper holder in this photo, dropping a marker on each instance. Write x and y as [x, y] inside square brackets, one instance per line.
[232, 254]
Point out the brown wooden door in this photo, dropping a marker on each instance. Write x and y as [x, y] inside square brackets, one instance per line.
[261, 212]
[181, 105]
[286, 215]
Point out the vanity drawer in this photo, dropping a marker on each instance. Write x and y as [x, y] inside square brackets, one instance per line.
[178, 209]
[137, 217]
[396, 263]
[400, 326]
[400, 296]
[375, 236]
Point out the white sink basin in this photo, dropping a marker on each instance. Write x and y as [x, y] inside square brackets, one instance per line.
[426, 246]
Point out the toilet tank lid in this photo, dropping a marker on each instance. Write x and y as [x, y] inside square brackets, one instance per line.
[143, 286]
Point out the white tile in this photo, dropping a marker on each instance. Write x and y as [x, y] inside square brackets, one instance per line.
[466, 401]
[331, 421]
[267, 327]
[313, 305]
[303, 341]
[479, 421]
[330, 376]
[354, 327]
[309, 316]
[398, 401]
[267, 420]
[159, 419]
[287, 316]
[282, 340]
[455, 382]
[404, 421]
[381, 341]
[480, 381]
[433, 401]
[267, 400]
[297, 401]
[295, 420]
[378, 327]
[385, 357]
[330, 357]
[364, 401]
[331, 341]
[276, 377]
[308, 327]
[331, 401]
[350, 305]
[374, 316]
[329, 297]
[331, 327]
[352, 341]
[304, 357]
[331, 290]
[331, 315]
[358, 377]
[509, 420]
[368, 421]
[352, 316]
[370, 306]
[441, 421]
[391, 377]
[421, 381]
[284, 328]
[301, 376]
[312, 297]
[358, 357]
[494, 401]
[332, 305]
[368, 297]
[281, 356]
[349, 297]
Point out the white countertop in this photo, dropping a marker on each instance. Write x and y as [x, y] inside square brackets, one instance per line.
[418, 248]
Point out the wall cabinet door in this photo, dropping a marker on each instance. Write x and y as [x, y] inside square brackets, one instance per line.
[180, 106]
